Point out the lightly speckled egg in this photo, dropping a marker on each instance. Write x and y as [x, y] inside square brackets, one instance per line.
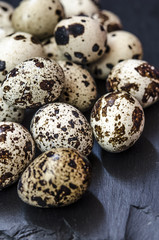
[38, 17]
[16, 152]
[61, 125]
[79, 87]
[56, 178]
[9, 113]
[81, 39]
[33, 83]
[16, 48]
[109, 20]
[76, 7]
[136, 77]
[6, 11]
[51, 49]
[117, 120]
[121, 46]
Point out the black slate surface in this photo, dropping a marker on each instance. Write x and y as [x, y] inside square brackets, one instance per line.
[122, 202]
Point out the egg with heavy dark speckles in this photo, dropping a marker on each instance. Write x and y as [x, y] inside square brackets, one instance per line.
[117, 120]
[56, 178]
[81, 39]
[79, 87]
[33, 83]
[61, 125]
[16, 152]
[136, 77]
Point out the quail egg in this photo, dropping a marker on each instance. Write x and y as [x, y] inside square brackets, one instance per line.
[6, 11]
[136, 77]
[38, 17]
[6, 31]
[76, 7]
[9, 113]
[79, 87]
[73, 39]
[16, 152]
[56, 178]
[117, 120]
[109, 20]
[61, 125]
[51, 49]
[121, 45]
[16, 48]
[33, 83]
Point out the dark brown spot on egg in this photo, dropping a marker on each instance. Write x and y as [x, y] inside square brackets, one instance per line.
[152, 91]
[4, 8]
[78, 55]
[73, 186]
[118, 138]
[13, 72]
[5, 154]
[62, 36]
[136, 56]
[39, 64]
[98, 131]
[2, 137]
[107, 49]
[109, 65]
[76, 29]
[112, 84]
[129, 86]
[72, 124]
[47, 85]
[137, 117]
[61, 193]
[40, 202]
[95, 48]
[86, 83]
[72, 164]
[2, 65]
[147, 70]
[76, 114]
[96, 110]
[6, 128]
[102, 28]
[28, 148]
[110, 101]
[19, 37]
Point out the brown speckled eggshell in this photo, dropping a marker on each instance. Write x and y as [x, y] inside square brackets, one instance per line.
[61, 125]
[56, 178]
[121, 45]
[79, 87]
[38, 17]
[117, 120]
[17, 48]
[33, 83]
[136, 77]
[16, 152]
[81, 39]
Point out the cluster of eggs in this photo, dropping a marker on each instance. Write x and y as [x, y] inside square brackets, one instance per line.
[58, 48]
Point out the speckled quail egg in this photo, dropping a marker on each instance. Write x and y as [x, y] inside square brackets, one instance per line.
[76, 7]
[81, 39]
[61, 125]
[109, 20]
[56, 178]
[117, 120]
[51, 49]
[38, 17]
[16, 48]
[9, 113]
[6, 31]
[33, 83]
[16, 152]
[6, 11]
[79, 87]
[121, 45]
[136, 77]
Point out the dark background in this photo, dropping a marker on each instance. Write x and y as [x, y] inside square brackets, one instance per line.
[123, 200]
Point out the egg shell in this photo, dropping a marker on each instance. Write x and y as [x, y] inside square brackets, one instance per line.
[9, 113]
[79, 87]
[61, 125]
[38, 17]
[117, 120]
[121, 45]
[56, 178]
[6, 11]
[17, 48]
[109, 20]
[33, 83]
[16, 152]
[76, 7]
[51, 49]
[136, 77]
[73, 39]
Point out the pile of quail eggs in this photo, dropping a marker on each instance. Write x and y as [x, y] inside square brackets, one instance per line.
[57, 49]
